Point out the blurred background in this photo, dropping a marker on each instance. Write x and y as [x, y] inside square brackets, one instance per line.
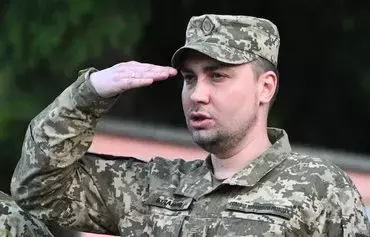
[323, 102]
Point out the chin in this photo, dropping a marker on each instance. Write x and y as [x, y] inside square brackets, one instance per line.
[206, 141]
[202, 135]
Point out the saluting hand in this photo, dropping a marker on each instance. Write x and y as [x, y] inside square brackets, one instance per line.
[128, 75]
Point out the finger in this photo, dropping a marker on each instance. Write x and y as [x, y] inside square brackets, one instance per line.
[172, 71]
[125, 64]
[132, 75]
[155, 68]
[156, 75]
[144, 67]
[135, 66]
[161, 72]
[136, 83]
[129, 74]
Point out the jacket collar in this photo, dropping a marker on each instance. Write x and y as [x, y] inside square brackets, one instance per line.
[199, 182]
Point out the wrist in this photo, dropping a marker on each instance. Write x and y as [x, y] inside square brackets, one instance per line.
[87, 98]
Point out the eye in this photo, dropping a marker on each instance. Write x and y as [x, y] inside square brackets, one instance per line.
[217, 76]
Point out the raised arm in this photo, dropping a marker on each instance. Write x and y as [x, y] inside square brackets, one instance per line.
[50, 180]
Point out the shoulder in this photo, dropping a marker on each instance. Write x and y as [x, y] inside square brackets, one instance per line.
[318, 178]
[108, 161]
[313, 177]
[156, 165]
[316, 169]
[331, 186]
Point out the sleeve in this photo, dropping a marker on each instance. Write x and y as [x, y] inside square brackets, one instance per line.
[355, 221]
[347, 215]
[54, 179]
[16, 222]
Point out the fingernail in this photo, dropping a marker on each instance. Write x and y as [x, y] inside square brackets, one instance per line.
[172, 71]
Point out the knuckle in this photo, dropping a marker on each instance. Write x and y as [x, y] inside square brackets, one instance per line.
[132, 62]
[130, 84]
[118, 65]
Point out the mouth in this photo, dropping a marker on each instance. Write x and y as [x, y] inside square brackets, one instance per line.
[196, 116]
[200, 120]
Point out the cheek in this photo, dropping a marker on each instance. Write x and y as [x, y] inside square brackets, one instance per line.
[185, 98]
[237, 102]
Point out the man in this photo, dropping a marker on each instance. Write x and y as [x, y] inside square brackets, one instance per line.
[251, 184]
[15, 222]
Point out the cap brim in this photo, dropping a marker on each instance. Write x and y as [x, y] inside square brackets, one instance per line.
[220, 53]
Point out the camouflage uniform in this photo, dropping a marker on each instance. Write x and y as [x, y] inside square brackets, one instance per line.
[280, 193]
[14, 222]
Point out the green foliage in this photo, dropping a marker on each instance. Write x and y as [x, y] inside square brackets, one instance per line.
[44, 43]
[52, 40]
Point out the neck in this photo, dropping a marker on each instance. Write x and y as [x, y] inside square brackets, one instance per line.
[227, 164]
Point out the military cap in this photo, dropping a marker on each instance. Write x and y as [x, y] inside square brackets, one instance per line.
[230, 39]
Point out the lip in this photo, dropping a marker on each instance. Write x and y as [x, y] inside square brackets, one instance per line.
[204, 122]
[196, 115]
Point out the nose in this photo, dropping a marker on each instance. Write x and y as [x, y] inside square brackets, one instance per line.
[200, 92]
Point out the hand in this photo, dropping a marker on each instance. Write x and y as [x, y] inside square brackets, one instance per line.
[124, 76]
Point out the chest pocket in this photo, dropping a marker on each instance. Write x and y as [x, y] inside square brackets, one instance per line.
[254, 219]
[167, 213]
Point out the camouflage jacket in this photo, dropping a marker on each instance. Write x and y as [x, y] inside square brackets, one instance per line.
[15, 222]
[280, 193]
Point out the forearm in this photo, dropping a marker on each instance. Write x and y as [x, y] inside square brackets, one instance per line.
[64, 130]
[48, 176]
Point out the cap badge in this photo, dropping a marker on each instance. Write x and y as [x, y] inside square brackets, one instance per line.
[207, 26]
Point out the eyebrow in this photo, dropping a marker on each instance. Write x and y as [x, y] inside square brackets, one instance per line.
[212, 67]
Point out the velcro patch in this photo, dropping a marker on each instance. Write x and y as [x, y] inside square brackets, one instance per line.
[261, 208]
[169, 202]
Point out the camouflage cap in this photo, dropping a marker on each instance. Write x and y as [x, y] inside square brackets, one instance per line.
[230, 39]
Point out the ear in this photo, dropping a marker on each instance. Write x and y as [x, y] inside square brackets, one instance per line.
[267, 86]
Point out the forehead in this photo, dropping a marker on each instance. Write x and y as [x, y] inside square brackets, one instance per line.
[193, 59]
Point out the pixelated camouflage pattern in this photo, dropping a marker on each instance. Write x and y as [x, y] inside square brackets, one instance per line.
[15, 222]
[280, 193]
[231, 39]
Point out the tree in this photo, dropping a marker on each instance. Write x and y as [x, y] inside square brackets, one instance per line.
[43, 45]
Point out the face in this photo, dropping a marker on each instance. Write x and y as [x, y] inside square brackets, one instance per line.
[220, 102]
